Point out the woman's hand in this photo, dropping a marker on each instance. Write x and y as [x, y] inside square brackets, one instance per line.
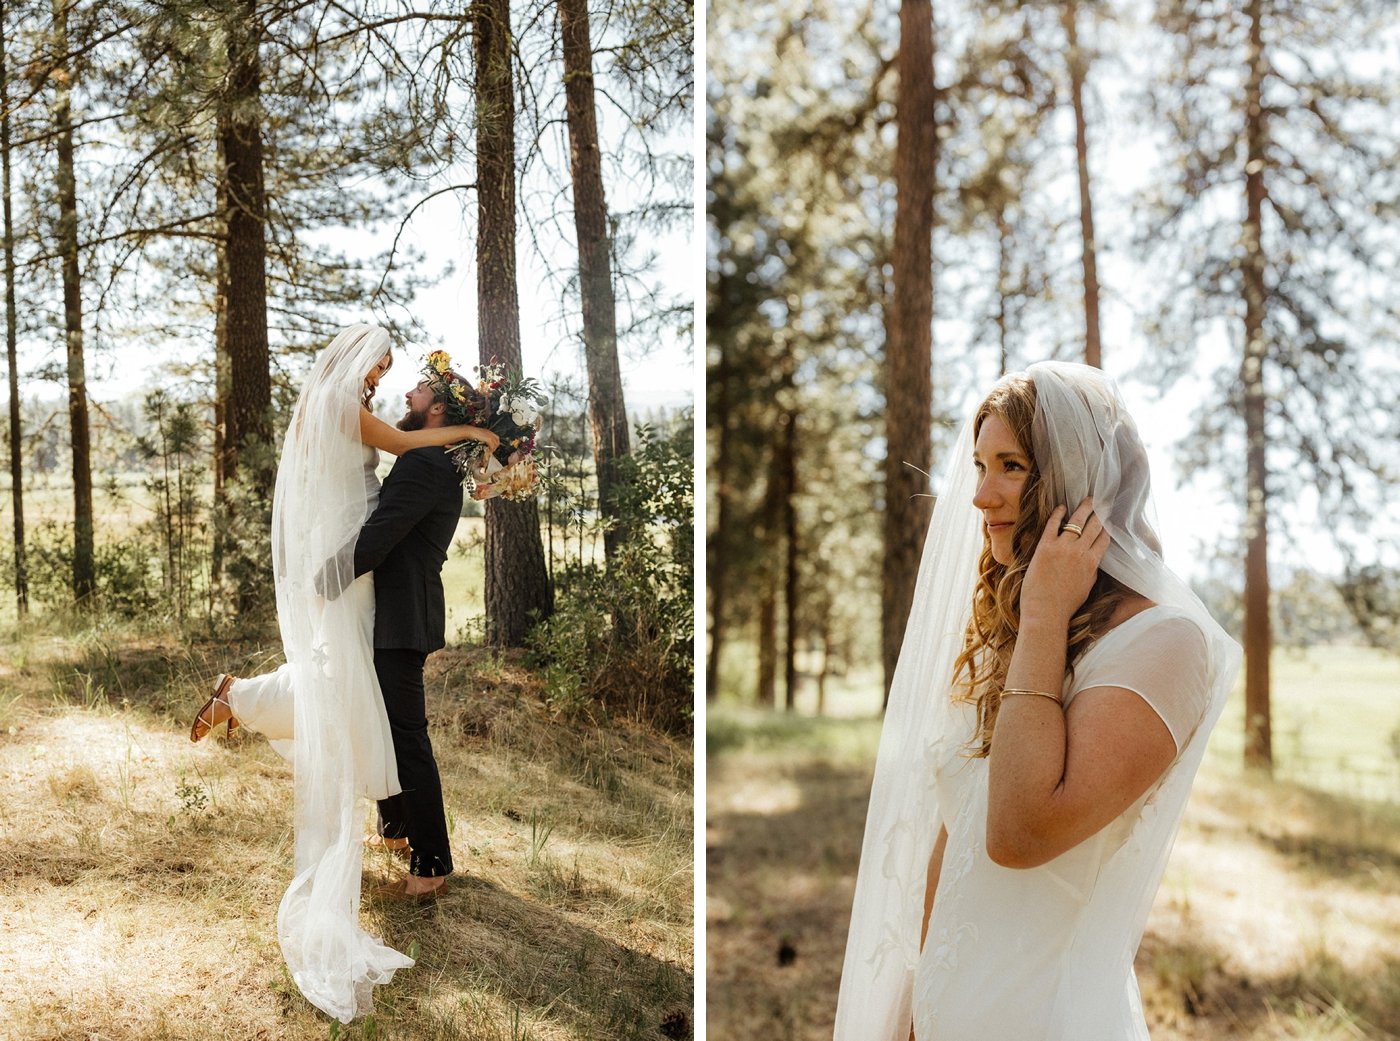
[1064, 566]
[489, 438]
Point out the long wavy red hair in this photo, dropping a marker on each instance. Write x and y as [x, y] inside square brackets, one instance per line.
[979, 674]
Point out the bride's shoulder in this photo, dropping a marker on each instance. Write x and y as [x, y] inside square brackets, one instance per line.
[1164, 628]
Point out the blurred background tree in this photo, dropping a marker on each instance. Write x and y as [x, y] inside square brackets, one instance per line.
[1195, 197]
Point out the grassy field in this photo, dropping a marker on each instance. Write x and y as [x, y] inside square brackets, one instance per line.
[1278, 918]
[122, 505]
[140, 874]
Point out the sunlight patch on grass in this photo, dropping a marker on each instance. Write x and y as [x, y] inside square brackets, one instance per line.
[159, 865]
[846, 741]
[1336, 721]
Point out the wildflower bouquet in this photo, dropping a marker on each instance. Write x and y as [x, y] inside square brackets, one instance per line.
[508, 405]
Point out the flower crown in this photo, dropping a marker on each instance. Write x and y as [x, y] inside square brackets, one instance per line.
[464, 403]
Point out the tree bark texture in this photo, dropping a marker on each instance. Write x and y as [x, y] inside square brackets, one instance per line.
[517, 584]
[909, 329]
[607, 412]
[84, 577]
[249, 387]
[1257, 637]
[21, 573]
[1093, 354]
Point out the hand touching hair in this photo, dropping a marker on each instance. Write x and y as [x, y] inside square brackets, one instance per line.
[980, 669]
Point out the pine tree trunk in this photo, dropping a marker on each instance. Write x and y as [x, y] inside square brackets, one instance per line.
[1003, 287]
[607, 412]
[716, 565]
[221, 377]
[909, 329]
[790, 554]
[768, 642]
[248, 399]
[772, 525]
[1257, 637]
[517, 584]
[1093, 354]
[11, 315]
[245, 252]
[84, 578]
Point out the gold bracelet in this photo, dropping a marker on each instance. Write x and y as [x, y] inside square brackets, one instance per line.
[1038, 693]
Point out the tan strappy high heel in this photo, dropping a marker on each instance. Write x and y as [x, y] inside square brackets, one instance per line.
[204, 719]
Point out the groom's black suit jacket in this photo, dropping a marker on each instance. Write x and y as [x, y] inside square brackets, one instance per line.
[405, 543]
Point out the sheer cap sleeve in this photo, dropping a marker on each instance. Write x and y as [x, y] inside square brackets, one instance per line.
[1162, 657]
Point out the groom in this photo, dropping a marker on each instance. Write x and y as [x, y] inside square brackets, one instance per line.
[405, 542]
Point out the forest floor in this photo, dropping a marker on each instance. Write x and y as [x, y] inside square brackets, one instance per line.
[140, 874]
[1278, 918]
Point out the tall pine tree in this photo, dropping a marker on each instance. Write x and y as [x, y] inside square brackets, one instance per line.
[517, 585]
[607, 412]
[62, 76]
[909, 329]
[1278, 206]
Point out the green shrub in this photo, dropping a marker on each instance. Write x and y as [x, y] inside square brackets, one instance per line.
[243, 532]
[126, 583]
[623, 636]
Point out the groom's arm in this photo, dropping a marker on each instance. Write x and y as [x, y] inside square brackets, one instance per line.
[406, 498]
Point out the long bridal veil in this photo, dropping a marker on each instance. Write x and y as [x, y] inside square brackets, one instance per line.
[341, 748]
[1084, 439]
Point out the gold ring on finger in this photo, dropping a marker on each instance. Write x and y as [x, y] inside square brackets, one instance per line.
[1078, 531]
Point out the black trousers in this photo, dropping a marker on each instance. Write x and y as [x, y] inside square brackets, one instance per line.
[416, 813]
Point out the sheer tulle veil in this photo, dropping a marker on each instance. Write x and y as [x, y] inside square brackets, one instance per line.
[323, 495]
[1085, 443]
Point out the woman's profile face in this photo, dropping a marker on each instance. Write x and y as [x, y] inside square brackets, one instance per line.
[1002, 470]
[377, 373]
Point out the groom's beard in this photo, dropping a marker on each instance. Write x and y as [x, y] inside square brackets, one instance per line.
[413, 421]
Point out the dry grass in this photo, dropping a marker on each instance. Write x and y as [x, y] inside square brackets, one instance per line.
[1279, 917]
[140, 874]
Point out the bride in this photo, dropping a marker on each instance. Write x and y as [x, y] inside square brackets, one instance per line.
[335, 729]
[1051, 705]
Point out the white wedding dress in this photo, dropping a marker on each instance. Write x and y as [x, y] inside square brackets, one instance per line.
[1044, 954]
[323, 708]
[1001, 941]
[265, 704]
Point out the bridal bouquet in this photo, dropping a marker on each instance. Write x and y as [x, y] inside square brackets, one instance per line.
[508, 405]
